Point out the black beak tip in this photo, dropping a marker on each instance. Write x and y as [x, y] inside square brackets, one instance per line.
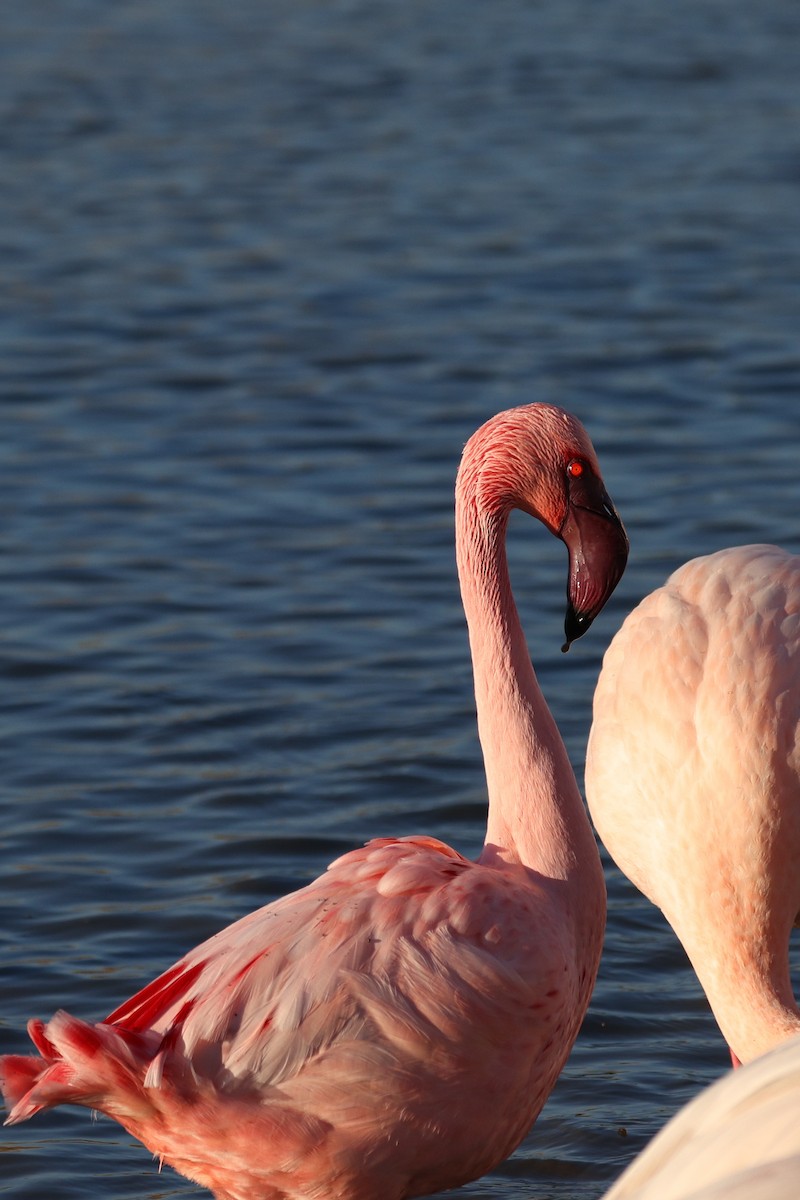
[575, 625]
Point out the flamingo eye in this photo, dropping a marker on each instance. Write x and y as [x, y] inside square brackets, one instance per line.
[576, 468]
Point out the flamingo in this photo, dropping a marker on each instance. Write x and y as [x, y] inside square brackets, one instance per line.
[738, 1140]
[395, 1027]
[693, 776]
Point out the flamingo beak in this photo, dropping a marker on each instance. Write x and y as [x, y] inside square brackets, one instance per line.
[598, 551]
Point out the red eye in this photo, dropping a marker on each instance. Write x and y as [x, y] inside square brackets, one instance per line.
[576, 468]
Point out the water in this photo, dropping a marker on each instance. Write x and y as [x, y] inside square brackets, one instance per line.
[266, 266]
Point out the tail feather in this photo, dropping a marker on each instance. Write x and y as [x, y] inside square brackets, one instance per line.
[18, 1074]
[91, 1065]
[38, 1035]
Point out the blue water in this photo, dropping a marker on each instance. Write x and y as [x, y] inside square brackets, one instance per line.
[265, 267]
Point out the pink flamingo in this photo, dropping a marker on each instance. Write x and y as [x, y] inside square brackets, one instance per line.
[738, 1140]
[693, 776]
[395, 1027]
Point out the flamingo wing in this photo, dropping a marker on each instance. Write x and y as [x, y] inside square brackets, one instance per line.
[399, 947]
[386, 939]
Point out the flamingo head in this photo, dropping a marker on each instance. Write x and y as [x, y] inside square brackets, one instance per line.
[539, 458]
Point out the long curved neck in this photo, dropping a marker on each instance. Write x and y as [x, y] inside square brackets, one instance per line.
[536, 815]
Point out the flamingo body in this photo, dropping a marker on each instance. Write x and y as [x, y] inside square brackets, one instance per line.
[693, 776]
[410, 945]
[738, 1140]
[394, 1027]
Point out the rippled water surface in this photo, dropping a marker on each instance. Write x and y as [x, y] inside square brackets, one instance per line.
[266, 266]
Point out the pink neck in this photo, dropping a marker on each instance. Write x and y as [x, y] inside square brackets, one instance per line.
[536, 815]
[743, 967]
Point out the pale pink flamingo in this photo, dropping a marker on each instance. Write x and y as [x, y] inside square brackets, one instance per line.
[693, 776]
[738, 1140]
[395, 1027]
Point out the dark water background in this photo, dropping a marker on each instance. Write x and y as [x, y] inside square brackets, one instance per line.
[265, 266]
